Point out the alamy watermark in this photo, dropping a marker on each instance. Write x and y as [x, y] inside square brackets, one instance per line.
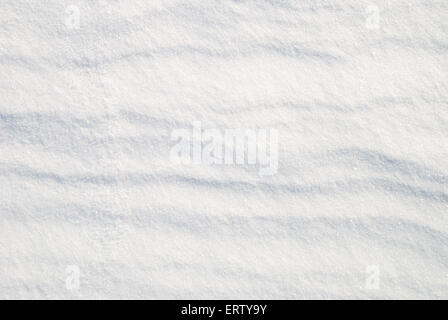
[257, 147]
[373, 17]
[373, 277]
[73, 20]
[73, 279]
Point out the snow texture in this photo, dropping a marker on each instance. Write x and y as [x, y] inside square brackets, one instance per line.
[356, 89]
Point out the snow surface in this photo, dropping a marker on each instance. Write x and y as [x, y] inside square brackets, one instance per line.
[86, 116]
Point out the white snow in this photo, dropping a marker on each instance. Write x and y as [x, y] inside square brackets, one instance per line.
[357, 209]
